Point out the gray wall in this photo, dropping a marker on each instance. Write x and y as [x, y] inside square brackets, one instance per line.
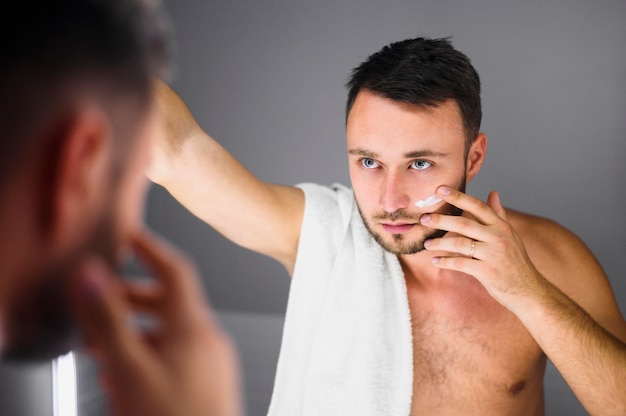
[266, 79]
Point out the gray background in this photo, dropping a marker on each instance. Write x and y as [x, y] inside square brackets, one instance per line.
[266, 79]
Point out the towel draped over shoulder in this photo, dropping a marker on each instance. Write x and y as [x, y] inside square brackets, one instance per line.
[347, 342]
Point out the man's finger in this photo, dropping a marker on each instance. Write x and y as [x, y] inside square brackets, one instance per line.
[102, 314]
[145, 296]
[456, 245]
[183, 298]
[481, 211]
[496, 205]
[169, 266]
[460, 264]
[455, 224]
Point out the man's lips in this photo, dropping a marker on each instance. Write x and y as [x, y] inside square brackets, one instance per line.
[397, 228]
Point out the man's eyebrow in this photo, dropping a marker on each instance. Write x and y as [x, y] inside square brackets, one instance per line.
[411, 155]
[362, 152]
[425, 153]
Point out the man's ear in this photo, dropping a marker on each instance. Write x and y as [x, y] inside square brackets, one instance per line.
[476, 156]
[77, 178]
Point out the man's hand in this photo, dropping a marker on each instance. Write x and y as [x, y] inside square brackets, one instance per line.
[183, 364]
[590, 359]
[484, 245]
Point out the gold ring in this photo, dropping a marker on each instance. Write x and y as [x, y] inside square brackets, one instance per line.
[471, 253]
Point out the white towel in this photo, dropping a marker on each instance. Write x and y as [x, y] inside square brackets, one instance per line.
[347, 343]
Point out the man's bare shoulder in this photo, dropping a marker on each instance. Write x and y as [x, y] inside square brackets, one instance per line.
[548, 241]
[552, 247]
[564, 259]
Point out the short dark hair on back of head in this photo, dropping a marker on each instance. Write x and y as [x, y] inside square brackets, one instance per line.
[54, 49]
[423, 72]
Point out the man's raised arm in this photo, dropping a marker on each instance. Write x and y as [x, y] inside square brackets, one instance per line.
[218, 189]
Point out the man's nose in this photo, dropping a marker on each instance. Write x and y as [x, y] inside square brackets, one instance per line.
[394, 193]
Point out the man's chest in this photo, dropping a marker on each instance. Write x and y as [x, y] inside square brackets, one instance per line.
[470, 352]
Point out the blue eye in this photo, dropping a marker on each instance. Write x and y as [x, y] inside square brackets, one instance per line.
[420, 164]
[369, 163]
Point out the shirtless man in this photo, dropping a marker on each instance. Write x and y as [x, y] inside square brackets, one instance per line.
[413, 119]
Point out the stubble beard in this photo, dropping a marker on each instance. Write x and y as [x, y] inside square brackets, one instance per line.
[400, 246]
[41, 325]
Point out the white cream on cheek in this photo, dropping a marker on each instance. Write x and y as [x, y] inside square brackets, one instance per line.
[428, 202]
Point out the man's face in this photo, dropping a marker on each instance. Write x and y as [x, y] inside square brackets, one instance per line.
[39, 325]
[398, 154]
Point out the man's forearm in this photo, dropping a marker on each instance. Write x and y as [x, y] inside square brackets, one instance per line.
[591, 360]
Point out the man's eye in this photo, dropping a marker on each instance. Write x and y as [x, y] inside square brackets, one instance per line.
[369, 163]
[420, 164]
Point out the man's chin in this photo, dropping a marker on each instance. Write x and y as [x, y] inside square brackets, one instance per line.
[401, 244]
[38, 324]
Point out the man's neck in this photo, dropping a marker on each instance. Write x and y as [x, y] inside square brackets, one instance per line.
[419, 266]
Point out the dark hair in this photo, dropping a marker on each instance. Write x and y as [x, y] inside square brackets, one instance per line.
[52, 50]
[424, 72]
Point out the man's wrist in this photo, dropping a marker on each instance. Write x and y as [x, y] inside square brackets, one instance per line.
[535, 302]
